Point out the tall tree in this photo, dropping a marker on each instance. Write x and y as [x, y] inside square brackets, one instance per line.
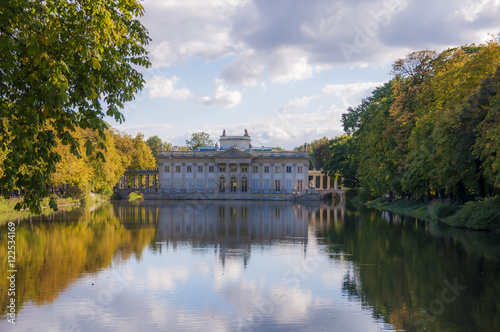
[65, 64]
[343, 161]
[155, 144]
[142, 157]
[199, 139]
[319, 150]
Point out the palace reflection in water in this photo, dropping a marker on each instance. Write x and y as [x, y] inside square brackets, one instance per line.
[211, 265]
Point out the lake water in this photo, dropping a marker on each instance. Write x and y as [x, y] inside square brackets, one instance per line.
[248, 266]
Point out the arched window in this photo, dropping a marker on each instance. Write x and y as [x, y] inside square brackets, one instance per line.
[222, 184]
[232, 183]
[244, 185]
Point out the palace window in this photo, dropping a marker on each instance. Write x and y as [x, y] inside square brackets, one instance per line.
[232, 184]
[244, 185]
[289, 169]
[266, 169]
[255, 185]
[244, 168]
[167, 168]
[299, 185]
[222, 184]
[277, 185]
[267, 184]
[233, 168]
[278, 169]
[256, 169]
[177, 169]
[200, 169]
[299, 169]
[210, 169]
[222, 168]
[188, 169]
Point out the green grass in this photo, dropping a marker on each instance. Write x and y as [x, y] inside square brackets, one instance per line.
[7, 212]
[402, 206]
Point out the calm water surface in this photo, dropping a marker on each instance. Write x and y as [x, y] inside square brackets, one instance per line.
[248, 266]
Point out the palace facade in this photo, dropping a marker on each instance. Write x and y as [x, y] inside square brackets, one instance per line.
[233, 167]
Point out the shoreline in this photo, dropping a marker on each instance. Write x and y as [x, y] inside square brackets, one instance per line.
[421, 211]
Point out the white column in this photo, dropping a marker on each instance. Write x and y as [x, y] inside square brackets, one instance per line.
[195, 171]
[183, 173]
[205, 176]
[283, 171]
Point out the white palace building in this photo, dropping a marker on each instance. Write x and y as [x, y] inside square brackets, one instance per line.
[233, 169]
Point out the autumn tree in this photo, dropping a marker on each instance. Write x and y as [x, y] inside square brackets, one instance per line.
[65, 64]
[432, 131]
[142, 156]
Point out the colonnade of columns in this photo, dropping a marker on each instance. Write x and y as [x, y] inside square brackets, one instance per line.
[138, 180]
[325, 184]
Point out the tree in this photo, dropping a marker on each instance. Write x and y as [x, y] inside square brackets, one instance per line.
[65, 64]
[199, 139]
[125, 145]
[416, 66]
[142, 157]
[319, 151]
[155, 143]
[343, 161]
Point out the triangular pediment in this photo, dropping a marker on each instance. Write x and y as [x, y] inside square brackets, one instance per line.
[233, 153]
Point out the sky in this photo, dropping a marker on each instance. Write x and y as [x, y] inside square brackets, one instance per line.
[285, 70]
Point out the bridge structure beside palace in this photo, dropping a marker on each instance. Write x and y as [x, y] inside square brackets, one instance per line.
[326, 185]
[137, 181]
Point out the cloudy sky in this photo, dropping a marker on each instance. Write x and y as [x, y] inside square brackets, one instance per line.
[283, 69]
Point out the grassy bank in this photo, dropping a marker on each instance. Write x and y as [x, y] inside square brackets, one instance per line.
[478, 215]
[7, 212]
[402, 206]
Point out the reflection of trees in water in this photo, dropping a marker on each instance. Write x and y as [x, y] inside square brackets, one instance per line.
[398, 267]
[53, 250]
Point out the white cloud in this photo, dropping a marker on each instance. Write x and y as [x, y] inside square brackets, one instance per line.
[288, 64]
[289, 41]
[472, 9]
[300, 102]
[162, 87]
[247, 70]
[223, 97]
[144, 128]
[351, 93]
[286, 129]
[181, 29]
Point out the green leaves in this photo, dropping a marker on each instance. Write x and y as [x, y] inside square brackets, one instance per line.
[199, 139]
[432, 131]
[59, 59]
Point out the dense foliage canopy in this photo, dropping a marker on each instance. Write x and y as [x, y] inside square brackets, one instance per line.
[432, 131]
[64, 65]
